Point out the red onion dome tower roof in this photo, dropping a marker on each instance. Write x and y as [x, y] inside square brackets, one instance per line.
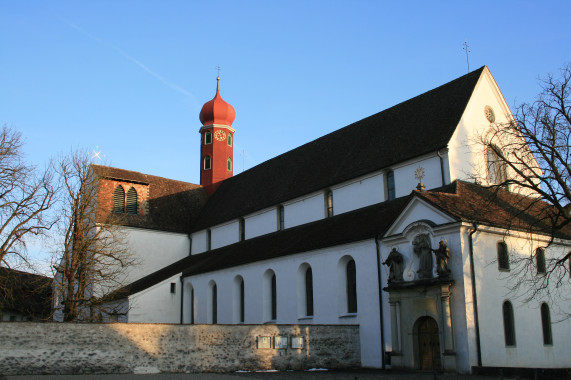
[217, 111]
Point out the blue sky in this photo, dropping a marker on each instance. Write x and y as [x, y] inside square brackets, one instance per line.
[130, 77]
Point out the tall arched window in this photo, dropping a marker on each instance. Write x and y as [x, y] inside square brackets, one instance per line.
[132, 201]
[503, 256]
[304, 291]
[207, 138]
[239, 297]
[351, 274]
[229, 139]
[309, 292]
[497, 171]
[269, 297]
[540, 260]
[329, 203]
[509, 325]
[229, 164]
[214, 304]
[119, 200]
[546, 324]
[391, 189]
[207, 163]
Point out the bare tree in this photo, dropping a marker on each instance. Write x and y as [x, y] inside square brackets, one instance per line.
[26, 194]
[530, 156]
[94, 257]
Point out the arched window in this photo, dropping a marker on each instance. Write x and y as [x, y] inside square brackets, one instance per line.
[351, 274]
[309, 292]
[229, 164]
[546, 324]
[242, 229]
[132, 201]
[119, 200]
[329, 203]
[213, 309]
[503, 256]
[229, 139]
[269, 296]
[540, 260]
[239, 297]
[207, 138]
[391, 189]
[207, 163]
[509, 325]
[497, 171]
[304, 291]
[188, 303]
[281, 218]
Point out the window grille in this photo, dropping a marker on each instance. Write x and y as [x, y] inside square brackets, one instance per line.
[119, 200]
[132, 201]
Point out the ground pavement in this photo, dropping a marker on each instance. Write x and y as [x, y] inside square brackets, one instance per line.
[280, 375]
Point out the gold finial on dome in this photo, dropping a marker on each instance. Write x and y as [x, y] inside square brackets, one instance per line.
[217, 83]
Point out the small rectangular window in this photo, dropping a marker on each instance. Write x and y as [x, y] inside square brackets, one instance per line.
[503, 256]
[173, 287]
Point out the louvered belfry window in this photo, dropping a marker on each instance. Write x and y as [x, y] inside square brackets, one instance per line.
[119, 200]
[132, 201]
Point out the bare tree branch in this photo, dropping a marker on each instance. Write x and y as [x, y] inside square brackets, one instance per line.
[93, 258]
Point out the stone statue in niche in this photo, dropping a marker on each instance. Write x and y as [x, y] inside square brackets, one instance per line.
[442, 256]
[395, 261]
[421, 247]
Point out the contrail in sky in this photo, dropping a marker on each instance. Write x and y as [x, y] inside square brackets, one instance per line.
[132, 59]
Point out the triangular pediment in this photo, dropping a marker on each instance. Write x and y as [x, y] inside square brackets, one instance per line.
[419, 210]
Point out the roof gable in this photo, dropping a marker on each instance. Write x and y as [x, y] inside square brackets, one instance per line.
[419, 209]
[410, 129]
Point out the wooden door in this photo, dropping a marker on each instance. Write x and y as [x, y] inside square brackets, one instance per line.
[428, 344]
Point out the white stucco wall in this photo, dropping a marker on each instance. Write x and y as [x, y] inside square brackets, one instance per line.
[305, 210]
[261, 223]
[154, 250]
[157, 304]
[493, 290]
[324, 264]
[225, 234]
[360, 193]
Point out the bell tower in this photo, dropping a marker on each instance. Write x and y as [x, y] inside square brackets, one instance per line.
[216, 141]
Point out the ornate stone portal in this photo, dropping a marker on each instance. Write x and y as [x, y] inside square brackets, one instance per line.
[421, 324]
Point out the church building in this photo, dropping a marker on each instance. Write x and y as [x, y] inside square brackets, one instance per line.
[379, 224]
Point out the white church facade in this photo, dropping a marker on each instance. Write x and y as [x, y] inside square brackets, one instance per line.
[340, 231]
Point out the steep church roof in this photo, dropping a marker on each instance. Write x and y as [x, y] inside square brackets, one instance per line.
[410, 129]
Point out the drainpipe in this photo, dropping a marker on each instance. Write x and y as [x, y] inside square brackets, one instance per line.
[474, 295]
[441, 166]
[181, 299]
[380, 301]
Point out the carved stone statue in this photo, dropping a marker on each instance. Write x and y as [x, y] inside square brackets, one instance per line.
[421, 247]
[395, 263]
[442, 256]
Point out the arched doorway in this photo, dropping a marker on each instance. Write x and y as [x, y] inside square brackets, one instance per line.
[428, 344]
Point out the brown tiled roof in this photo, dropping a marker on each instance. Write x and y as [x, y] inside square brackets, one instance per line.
[410, 129]
[172, 205]
[346, 228]
[495, 207]
[26, 293]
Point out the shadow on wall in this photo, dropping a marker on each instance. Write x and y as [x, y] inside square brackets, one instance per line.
[54, 348]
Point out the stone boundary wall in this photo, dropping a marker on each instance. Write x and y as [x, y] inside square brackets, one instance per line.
[29, 348]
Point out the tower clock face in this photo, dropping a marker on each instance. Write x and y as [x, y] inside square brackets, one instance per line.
[220, 135]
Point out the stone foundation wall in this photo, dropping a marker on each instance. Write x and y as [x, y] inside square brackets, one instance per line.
[67, 348]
